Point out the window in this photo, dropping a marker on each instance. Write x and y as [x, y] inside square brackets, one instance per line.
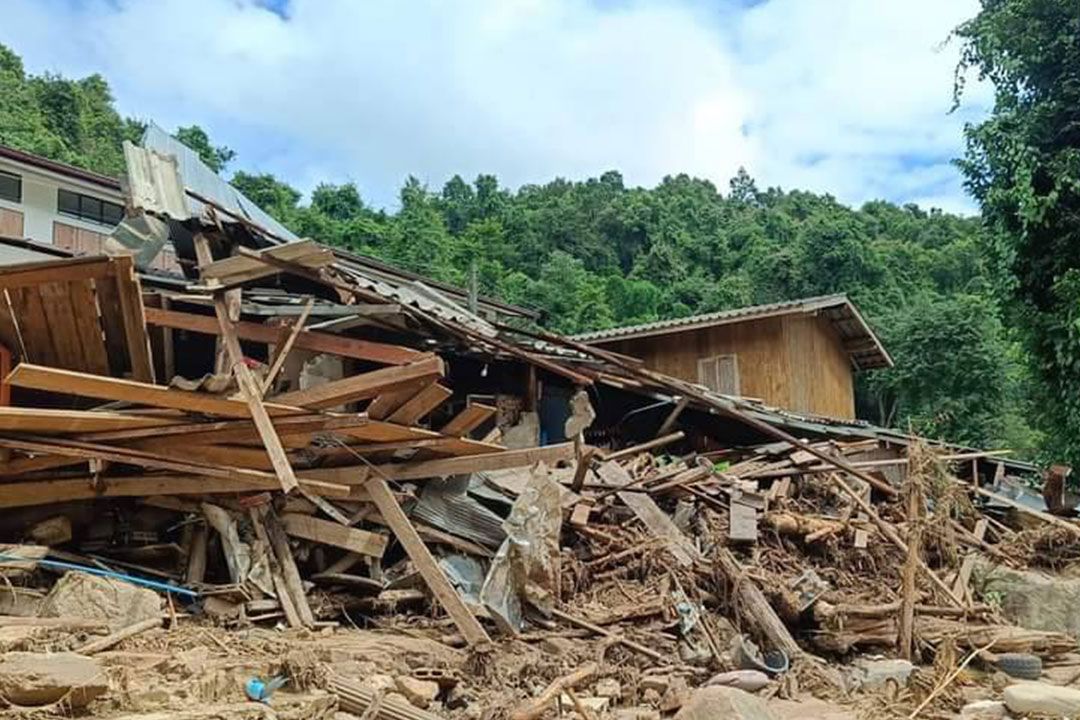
[89, 208]
[10, 187]
[720, 373]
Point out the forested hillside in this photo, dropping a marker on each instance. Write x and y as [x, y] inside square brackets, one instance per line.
[596, 253]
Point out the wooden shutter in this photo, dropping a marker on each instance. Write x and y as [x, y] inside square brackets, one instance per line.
[707, 373]
[727, 373]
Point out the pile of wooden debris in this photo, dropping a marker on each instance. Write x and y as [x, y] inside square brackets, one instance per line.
[301, 476]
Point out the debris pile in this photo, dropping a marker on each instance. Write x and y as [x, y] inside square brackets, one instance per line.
[274, 482]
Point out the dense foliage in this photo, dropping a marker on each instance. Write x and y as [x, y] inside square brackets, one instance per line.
[597, 253]
[1023, 165]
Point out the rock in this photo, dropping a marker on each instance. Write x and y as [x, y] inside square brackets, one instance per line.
[657, 683]
[34, 679]
[52, 531]
[878, 673]
[1033, 599]
[595, 705]
[748, 680]
[677, 694]
[608, 688]
[810, 708]
[418, 692]
[723, 703]
[636, 713]
[984, 710]
[1038, 698]
[378, 681]
[651, 697]
[91, 597]
[557, 645]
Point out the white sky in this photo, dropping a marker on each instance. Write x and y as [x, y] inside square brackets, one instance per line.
[849, 97]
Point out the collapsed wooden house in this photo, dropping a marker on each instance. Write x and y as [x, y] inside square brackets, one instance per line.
[326, 425]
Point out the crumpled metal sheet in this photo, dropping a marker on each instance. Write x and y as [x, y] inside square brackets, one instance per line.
[448, 506]
[154, 184]
[526, 568]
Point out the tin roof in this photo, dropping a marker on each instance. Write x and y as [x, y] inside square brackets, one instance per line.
[861, 344]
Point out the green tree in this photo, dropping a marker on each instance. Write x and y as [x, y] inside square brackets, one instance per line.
[216, 157]
[1023, 166]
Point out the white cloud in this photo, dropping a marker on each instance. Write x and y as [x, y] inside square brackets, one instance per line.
[844, 96]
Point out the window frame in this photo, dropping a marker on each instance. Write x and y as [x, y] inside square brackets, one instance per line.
[716, 362]
[85, 208]
[19, 186]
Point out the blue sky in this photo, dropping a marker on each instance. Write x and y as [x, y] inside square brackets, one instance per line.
[849, 97]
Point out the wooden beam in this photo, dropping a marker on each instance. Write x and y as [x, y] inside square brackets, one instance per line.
[283, 553]
[133, 314]
[328, 533]
[385, 404]
[72, 448]
[43, 421]
[364, 386]
[661, 526]
[462, 465]
[54, 271]
[245, 267]
[45, 492]
[473, 416]
[281, 353]
[69, 382]
[469, 627]
[231, 431]
[421, 404]
[650, 445]
[252, 392]
[672, 416]
[312, 340]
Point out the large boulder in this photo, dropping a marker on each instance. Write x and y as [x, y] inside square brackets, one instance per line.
[1036, 698]
[92, 597]
[34, 679]
[723, 703]
[1033, 599]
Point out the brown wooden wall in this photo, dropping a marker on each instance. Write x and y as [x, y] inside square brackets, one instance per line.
[794, 362]
[11, 223]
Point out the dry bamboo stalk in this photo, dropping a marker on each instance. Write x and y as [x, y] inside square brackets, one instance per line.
[96, 646]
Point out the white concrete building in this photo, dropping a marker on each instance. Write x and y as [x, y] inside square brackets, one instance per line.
[59, 204]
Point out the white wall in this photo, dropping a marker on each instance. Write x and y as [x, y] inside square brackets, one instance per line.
[38, 204]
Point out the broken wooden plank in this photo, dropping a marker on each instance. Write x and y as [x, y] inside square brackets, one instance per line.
[67, 270]
[44, 421]
[465, 464]
[134, 318]
[364, 386]
[755, 606]
[281, 353]
[72, 448]
[69, 382]
[242, 268]
[306, 339]
[660, 525]
[386, 403]
[252, 392]
[469, 627]
[328, 533]
[473, 416]
[743, 523]
[963, 577]
[45, 492]
[420, 405]
[650, 445]
[673, 416]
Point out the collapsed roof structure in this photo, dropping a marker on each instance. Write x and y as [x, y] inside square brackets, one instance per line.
[292, 433]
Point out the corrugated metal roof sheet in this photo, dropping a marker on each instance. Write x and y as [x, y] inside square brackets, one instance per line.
[204, 181]
[862, 345]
